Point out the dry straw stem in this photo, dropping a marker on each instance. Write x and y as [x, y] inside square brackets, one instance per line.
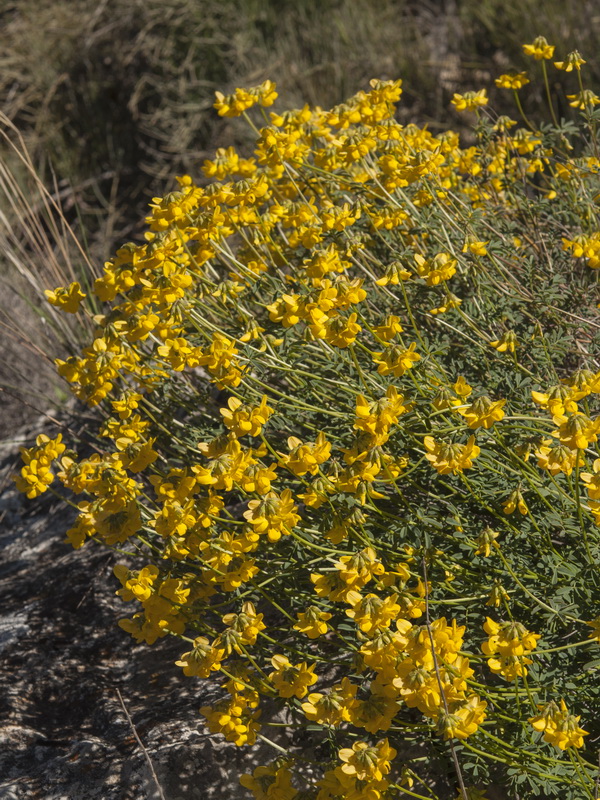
[39, 250]
[141, 744]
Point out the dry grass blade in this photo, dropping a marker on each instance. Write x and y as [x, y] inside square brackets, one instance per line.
[141, 744]
[39, 250]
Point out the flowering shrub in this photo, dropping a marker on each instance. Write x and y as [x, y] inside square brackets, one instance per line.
[347, 392]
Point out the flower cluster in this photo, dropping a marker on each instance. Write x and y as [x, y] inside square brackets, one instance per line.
[36, 475]
[324, 381]
[559, 726]
[509, 644]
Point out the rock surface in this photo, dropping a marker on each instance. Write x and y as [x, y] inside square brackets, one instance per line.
[63, 732]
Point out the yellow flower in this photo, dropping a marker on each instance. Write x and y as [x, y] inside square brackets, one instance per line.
[577, 430]
[394, 273]
[273, 514]
[572, 61]
[592, 481]
[266, 93]
[342, 332]
[462, 388]
[371, 612]
[68, 299]
[291, 680]
[232, 105]
[508, 646]
[514, 81]
[389, 329]
[539, 49]
[546, 717]
[483, 412]
[557, 458]
[312, 622]
[567, 733]
[485, 541]
[507, 342]
[560, 727]
[202, 659]
[235, 717]
[376, 417]
[268, 783]
[515, 500]
[470, 101]
[220, 360]
[559, 400]
[440, 268]
[365, 762]
[396, 360]
[595, 625]
[242, 420]
[377, 711]
[334, 707]
[477, 248]
[452, 301]
[503, 124]
[35, 476]
[135, 585]
[286, 310]
[452, 458]
[497, 596]
[305, 458]
[464, 719]
[257, 478]
[584, 100]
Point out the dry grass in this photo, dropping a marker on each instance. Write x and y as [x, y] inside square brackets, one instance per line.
[39, 248]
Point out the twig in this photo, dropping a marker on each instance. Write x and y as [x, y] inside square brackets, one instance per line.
[139, 741]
